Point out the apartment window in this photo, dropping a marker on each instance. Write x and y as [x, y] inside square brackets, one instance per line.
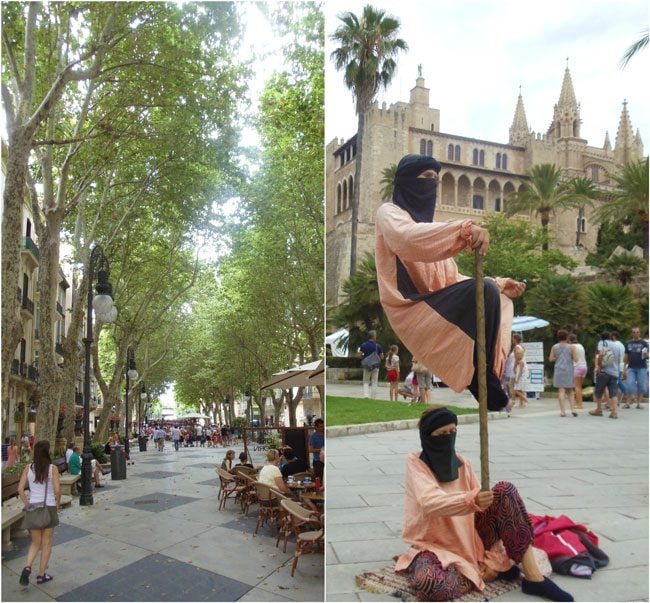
[345, 194]
[450, 152]
[423, 147]
[477, 202]
[504, 161]
[581, 224]
[457, 153]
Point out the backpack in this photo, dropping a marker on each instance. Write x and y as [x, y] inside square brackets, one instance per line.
[607, 357]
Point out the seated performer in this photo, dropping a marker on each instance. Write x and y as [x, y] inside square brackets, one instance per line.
[430, 306]
[461, 536]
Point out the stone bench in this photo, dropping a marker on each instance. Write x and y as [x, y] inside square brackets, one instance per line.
[68, 482]
[12, 517]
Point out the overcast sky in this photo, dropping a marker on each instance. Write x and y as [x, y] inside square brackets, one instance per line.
[476, 54]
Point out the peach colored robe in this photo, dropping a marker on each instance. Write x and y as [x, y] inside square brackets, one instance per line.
[439, 517]
[427, 249]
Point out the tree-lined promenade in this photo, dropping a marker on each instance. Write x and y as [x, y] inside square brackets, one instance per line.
[124, 124]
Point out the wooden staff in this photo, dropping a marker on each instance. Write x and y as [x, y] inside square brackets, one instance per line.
[482, 370]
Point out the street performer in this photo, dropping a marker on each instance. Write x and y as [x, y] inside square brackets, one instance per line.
[430, 306]
[460, 536]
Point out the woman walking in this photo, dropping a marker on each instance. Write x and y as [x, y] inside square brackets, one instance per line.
[44, 487]
[564, 357]
[579, 368]
[392, 372]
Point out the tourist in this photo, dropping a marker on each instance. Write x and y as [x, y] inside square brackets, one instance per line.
[226, 464]
[430, 306]
[635, 368]
[451, 524]
[293, 463]
[564, 357]
[316, 442]
[44, 487]
[270, 474]
[370, 348]
[12, 453]
[392, 372]
[579, 368]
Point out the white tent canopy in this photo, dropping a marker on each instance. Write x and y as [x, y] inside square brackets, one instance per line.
[303, 375]
[526, 323]
[335, 341]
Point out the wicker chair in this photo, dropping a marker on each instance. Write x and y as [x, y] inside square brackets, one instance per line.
[306, 542]
[295, 523]
[301, 475]
[268, 500]
[228, 486]
[248, 494]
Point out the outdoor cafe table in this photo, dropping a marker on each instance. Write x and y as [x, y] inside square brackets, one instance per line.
[314, 499]
[298, 489]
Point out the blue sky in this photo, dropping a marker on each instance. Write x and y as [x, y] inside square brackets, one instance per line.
[475, 55]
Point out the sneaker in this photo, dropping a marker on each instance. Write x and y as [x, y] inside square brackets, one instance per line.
[24, 576]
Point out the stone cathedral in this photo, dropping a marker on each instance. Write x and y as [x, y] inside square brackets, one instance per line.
[476, 176]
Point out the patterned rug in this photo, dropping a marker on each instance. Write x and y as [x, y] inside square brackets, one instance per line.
[386, 581]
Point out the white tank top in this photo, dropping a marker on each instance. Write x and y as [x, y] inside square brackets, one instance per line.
[37, 490]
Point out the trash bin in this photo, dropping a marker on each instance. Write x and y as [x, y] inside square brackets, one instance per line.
[142, 443]
[118, 463]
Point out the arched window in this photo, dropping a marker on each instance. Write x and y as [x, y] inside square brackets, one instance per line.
[450, 152]
[477, 201]
[475, 157]
[457, 153]
[423, 147]
[430, 148]
[339, 209]
[504, 161]
[351, 188]
[498, 161]
[345, 194]
[433, 127]
[594, 173]
[481, 158]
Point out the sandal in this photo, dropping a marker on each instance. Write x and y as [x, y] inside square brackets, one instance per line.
[24, 576]
[596, 413]
[613, 416]
[43, 579]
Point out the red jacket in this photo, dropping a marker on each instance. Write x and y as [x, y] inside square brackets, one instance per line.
[558, 536]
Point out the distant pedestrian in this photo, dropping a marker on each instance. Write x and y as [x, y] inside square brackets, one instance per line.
[316, 443]
[520, 370]
[635, 367]
[423, 375]
[44, 488]
[563, 355]
[614, 338]
[370, 370]
[392, 372]
[12, 453]
[5, 452]
[176, 436]
[579, 368]
[607, 367]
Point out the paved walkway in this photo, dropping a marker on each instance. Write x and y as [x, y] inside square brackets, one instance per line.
[593, 469]
[158, 536]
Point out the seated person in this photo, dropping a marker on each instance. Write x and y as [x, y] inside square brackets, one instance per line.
[270, 473]
[461, 536]
[68, 452]
[293, 463]
[226, 464]
[74, 460]
[74, 467]
[243, 457]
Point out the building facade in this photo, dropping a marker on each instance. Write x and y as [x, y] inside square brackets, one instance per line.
[476, 177]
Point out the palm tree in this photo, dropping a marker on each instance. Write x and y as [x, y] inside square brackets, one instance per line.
[641, 43]
[544, 193]
[624, 267]
[629, 201]
[367, 47]
[387, 177]
[584, 191]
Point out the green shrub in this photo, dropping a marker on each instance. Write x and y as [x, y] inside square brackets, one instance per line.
[98, 453]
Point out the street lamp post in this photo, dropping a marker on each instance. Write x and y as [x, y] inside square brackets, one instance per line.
[131, 374]
[143, 397]
[105, 311]
[249, 401]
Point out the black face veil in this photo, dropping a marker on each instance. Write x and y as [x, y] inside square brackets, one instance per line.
[416, 195]
[439, 452]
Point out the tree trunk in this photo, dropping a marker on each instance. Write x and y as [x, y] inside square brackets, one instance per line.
[545, 221]
[581, 212]
[357, 193]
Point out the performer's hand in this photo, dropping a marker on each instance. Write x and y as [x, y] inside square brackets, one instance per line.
[480, 239]
[484, 499]
[513, 288]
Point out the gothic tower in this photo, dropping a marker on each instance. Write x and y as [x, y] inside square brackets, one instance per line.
[519, 128]
[566, 113]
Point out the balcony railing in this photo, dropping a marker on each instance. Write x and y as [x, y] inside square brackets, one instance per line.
[32, 373]
[15, 367]
[29, 245]
[27, 304]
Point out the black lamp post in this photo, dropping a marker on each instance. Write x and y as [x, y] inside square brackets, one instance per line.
[131, 374]
[143, 397]
[105, 311]
[249, 402]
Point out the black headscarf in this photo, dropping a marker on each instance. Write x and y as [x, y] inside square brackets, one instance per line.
[416, 195]
[438, 452]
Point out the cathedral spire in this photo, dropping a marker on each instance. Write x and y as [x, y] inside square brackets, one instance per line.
[567, 95]
[607, 145]
[519, 127]
[566, 113]
[625, 147]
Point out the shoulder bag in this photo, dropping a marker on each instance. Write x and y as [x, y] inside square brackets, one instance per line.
[371, 361]
[37, 517]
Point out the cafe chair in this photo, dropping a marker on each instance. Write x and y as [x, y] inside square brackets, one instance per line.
[301, 475]
[309, 541]
[239, 469]
[228, 486]
[248, 494]
[269, 505]
[295, 519]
